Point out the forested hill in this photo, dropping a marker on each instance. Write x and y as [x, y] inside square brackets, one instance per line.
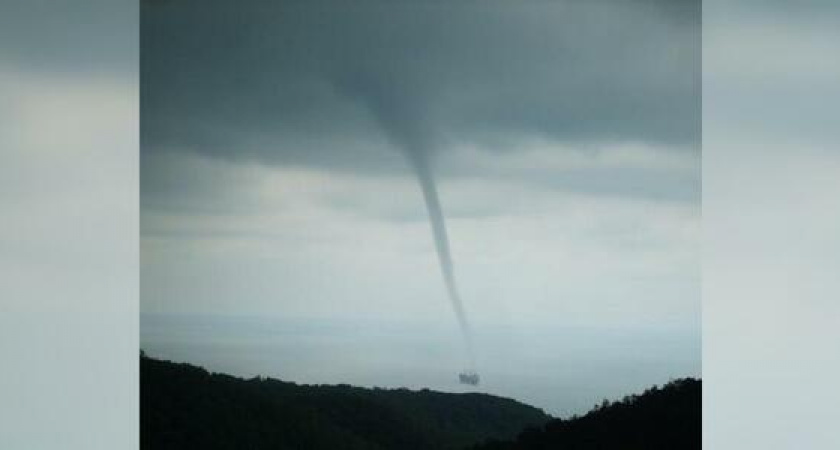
[664, 418]
[186, 407]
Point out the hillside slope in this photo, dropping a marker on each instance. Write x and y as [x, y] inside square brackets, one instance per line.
[183, 406]
[664, 418]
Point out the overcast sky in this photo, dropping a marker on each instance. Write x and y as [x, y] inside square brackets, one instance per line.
[564, 137]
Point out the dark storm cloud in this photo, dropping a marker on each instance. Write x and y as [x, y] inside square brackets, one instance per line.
[335, 85]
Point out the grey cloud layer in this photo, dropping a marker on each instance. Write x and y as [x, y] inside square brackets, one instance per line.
[332, 85]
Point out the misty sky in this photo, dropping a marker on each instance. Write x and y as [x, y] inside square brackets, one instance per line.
[565, 141]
